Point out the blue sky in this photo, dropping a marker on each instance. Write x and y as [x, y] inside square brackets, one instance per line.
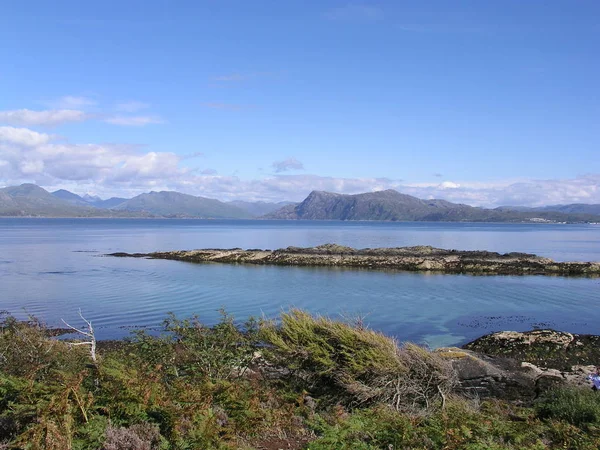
[485, 103]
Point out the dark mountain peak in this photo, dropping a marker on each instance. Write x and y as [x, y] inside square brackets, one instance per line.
[393, 205]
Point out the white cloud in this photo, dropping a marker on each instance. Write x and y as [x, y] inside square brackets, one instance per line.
[131, 106]
[449, 185]
[287, 164]
[134, 121]
[27, 117]
[122, 170]
[30, 155]
[582, 189]
[22, 137]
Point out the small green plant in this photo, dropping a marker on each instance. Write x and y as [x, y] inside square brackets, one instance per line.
[577, 406]
[221, 352]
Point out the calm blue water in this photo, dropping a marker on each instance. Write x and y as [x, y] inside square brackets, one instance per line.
[52, 267]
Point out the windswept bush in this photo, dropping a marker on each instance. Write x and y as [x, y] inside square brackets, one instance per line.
[362, 365]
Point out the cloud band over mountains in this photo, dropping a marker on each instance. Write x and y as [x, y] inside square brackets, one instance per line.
[51, 161]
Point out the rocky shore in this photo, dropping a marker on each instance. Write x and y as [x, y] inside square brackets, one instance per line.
[521, 366]
[415, 259]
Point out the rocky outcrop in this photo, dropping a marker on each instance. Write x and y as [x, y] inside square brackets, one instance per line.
[421, 258]
[545, 348]
[522, 366]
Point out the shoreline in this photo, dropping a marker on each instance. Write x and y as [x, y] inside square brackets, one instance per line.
[262, 219]
[409, 259]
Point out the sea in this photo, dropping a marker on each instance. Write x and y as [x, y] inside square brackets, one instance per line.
[52, 268]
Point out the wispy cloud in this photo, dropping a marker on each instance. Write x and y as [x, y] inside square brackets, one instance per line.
[287, 164]
[53, 117]
[131, 106]
[192, 155]
[356, 12]
[72, 102]
[134, 121]
[208, 172]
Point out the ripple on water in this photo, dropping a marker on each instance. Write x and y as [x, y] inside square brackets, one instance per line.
[53, 268]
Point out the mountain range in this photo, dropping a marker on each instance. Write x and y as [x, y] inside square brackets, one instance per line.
[574, 208]
[30, 200]
[393, 206]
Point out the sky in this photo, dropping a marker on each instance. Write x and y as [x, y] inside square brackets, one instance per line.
[481, 102]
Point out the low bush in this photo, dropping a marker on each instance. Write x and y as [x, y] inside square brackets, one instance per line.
[359, 365]
[27, 351]
[577, 406]
[190, 348]
[336, 385]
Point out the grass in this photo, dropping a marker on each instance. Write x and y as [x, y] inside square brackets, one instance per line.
[317, 384]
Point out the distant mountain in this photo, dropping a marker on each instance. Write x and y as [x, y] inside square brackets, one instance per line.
[32, 200]
[574, 208]
[68, 196]
[175, 204]
[88, 200]
[394, 206]
[257, 209]
[91, 198]
[109, 203]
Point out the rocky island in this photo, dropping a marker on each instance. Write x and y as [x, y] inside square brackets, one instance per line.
[414, 259]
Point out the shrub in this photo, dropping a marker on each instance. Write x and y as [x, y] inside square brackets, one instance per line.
[27, 351]
[359, 364]
[190, 348]
[577, 406]
[367, 429]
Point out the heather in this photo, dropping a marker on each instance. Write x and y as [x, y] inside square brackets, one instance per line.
[300, 381]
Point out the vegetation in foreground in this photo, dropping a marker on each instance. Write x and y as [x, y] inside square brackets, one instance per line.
[302, 382]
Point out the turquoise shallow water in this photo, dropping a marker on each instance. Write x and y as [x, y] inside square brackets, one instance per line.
[52, 267]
